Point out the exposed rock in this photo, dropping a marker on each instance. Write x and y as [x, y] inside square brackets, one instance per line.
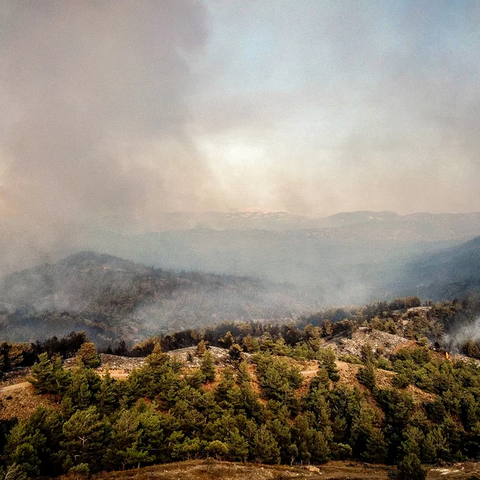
[383, 342]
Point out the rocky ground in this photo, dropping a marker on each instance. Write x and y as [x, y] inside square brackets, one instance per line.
[383, 342]
[191, 360]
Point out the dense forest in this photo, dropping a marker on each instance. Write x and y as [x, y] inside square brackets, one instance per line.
[257, 407]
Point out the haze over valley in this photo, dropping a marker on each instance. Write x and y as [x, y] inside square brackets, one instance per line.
[239, 239]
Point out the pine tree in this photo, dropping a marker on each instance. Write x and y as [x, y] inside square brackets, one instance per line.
[225, 386]
[280, 429]
[243, 374]
[14, 472]
[43, 378]
[123, 449]
[264, 447]
[195, 379]
[410, 468]
[26, 457]
[237, 446]
[413, 441]
[201, 348]
[228, 340]
[251, 344]
[106, 396]
[217, 448]
[235, 352]
[34, 441]
[157, 359]
[88, 356]
[367, 376]
[152, 436]
[207, 366]
[79, 391]
[49, 376]
[319, 448]
[327, 361]
[84, 437]
[321, 380]
[429, 449]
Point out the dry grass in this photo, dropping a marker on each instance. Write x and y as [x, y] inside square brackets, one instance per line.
[348, 374]
[22, 402]
[215, 470]
[309, 371]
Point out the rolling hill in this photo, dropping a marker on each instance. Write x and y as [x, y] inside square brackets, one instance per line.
[449, 273]
[111, 298]
[346, 258]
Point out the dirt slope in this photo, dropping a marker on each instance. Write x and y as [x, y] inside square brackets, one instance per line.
[19, 401]
[214, 470]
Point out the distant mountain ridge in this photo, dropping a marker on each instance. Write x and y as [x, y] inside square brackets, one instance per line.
[281, 221]
[256, 273]
[345, 258]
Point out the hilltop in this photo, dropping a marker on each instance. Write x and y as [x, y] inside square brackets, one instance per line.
[369, 384]
[277, 396]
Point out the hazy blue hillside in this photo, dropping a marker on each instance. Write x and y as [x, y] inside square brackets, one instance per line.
[451, 272]
[418, 224]
[112, 298]
[346, 258]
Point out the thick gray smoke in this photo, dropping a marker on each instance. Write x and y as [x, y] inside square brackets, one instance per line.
[464, 333]
[117, 110]
[94, 99]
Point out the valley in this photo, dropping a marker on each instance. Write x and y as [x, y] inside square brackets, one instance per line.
[239, 240]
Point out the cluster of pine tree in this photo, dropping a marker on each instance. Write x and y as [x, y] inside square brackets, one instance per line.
[164, 412]
[298, 339]
[406, 317]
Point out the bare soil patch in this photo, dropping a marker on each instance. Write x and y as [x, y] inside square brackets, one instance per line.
[216, 470]
[19, 401]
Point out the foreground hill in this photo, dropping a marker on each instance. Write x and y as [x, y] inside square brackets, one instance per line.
[111, 298]
[276, 396]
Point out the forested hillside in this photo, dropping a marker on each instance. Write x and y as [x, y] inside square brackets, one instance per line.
[280, 395]
[351, 257]
[449, 273]
[113, 299]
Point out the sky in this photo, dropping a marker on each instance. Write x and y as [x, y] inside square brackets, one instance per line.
[117, 110]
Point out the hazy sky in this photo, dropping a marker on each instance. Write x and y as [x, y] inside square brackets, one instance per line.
[116, 110]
